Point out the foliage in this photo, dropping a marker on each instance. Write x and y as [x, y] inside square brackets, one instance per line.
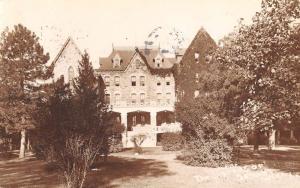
[22, 64]
[72, 124]
[266, 53]
[206, 118]
[172, 141]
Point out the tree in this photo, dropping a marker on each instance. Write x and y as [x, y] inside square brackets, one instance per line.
[266, 53]
[72, 123]
[22, 63]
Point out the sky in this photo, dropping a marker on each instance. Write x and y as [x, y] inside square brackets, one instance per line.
[96, 25]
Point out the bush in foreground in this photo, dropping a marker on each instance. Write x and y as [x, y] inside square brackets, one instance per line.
[210, 153]
[172, 141]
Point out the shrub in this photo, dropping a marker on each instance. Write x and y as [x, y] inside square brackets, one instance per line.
[115, 144]
[138, 140]
[171, 141]
[207, 152]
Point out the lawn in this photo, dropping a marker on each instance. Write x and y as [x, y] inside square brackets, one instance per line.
[156, 168]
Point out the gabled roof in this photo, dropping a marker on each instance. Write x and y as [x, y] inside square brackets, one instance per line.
[68, 41]
[202, 44]
[127, 54]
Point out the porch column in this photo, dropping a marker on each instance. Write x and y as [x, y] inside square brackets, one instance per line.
[124, 134]
[153, 118]
[292, 135]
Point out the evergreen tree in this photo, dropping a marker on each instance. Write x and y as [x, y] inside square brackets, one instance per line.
[72, 124]
[22, 64]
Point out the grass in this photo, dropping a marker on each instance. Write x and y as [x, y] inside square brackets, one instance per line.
[159, 169]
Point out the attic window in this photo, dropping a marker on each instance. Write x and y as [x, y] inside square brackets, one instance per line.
[116, 62]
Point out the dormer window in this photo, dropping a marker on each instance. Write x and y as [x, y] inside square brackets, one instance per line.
[158, 60]
[117, 61]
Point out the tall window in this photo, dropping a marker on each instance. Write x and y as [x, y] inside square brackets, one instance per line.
[142, 98]
[197, 57]
[133, 120]
[133, 81]
[71, 74]
[133, 98]
[117, 99]
[117, 80]
[168, 98]
[107, 98]
[142, 81]
[158, 97]
[107, 80]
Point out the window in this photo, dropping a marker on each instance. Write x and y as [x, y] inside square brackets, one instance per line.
[157, 62]
[133, 81]
[168, 98]
[117, 99]
[133, 120]
[107, 98]
[142, 98]
[133, 98]
[137, 64]
[142, 81]
[143, 120]
[197, 77]
[116, 62]
[196, 93]
[197, 57]
[168, 81]
[71, 74]
[106, 80]
[117, 80]
[158, 98]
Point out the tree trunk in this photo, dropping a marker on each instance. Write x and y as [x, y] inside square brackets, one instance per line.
[271, 140]
[256, 140]
[278, 137]
[23, 143]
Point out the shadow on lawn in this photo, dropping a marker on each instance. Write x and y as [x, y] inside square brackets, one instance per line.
[33, 173]
[27, 173]
[125, 169]
[287, 160]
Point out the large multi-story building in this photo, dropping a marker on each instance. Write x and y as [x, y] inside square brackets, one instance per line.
[140, 88]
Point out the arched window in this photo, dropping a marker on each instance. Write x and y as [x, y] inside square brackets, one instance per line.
[71, 74]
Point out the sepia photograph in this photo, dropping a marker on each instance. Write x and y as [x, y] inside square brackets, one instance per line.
[150, 94]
